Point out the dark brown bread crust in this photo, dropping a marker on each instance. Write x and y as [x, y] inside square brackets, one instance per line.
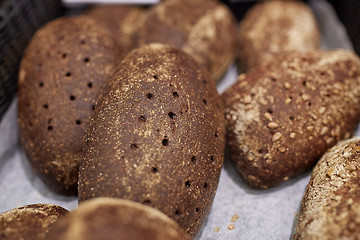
[63, 71]
[115, 219]
[30, 222]
[274, 27]
[331, 204]
[286, 112]
[205, 29]
[157, 136]
[120, 20]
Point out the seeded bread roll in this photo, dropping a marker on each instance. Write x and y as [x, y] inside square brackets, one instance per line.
[205, 29]
[115, 219]
[61, 75]
[331, 205]
[120, 20]
[272, 27]
[285, 113]
[30, 222]
[157, 136]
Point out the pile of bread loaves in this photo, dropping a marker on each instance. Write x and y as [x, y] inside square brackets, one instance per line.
[119, 105]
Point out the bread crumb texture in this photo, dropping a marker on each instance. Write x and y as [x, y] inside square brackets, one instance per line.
[331, 205]
[272, 27]
[115, 219]
[157, 136]
[271, 139]
[30, 222]
[64, 68]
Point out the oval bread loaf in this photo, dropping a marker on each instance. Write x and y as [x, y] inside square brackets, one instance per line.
[115, 219]
[157, 136]
[331, 205]
[120, 20]
[61, 75]
[286, 112]
[30, 222]
[205, 29]
[272, 27]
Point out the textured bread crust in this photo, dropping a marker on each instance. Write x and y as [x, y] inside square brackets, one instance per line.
[30, 222]
[157, 136]
[286, 112]
[331, 204]
[115, 219]
[205, 29]
[120, 20]
[274, 27]
[61, 75]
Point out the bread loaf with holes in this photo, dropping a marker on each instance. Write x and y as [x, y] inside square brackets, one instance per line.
[331, 205]
[116, 219]
[30, 222]
[205, 29]
[61, 75]
[272, 27]
[286, 112]
[157, 136]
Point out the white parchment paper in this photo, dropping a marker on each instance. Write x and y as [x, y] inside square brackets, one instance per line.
[238, 211]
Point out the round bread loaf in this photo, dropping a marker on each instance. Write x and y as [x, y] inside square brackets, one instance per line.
[61, 75]
[205, 29]
[272, 27]
[286, 112]
[30, 222]
[115, 219]
[331, 205]
[120, 20]
[157, 136]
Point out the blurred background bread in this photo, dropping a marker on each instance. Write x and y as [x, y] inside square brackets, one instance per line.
[120, 20]
[115, 219]
[272, 27]
[205, 29]
[30, 222]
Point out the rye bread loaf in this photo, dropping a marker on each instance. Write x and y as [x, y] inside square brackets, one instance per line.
[272, 27]
[115, 219]
[157, 136]
[120, 20]
[30, 222]
[286, 112]
[61, 75]
[205, 29]
[331, 205]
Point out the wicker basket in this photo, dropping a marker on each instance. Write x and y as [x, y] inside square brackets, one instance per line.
[19, 19]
